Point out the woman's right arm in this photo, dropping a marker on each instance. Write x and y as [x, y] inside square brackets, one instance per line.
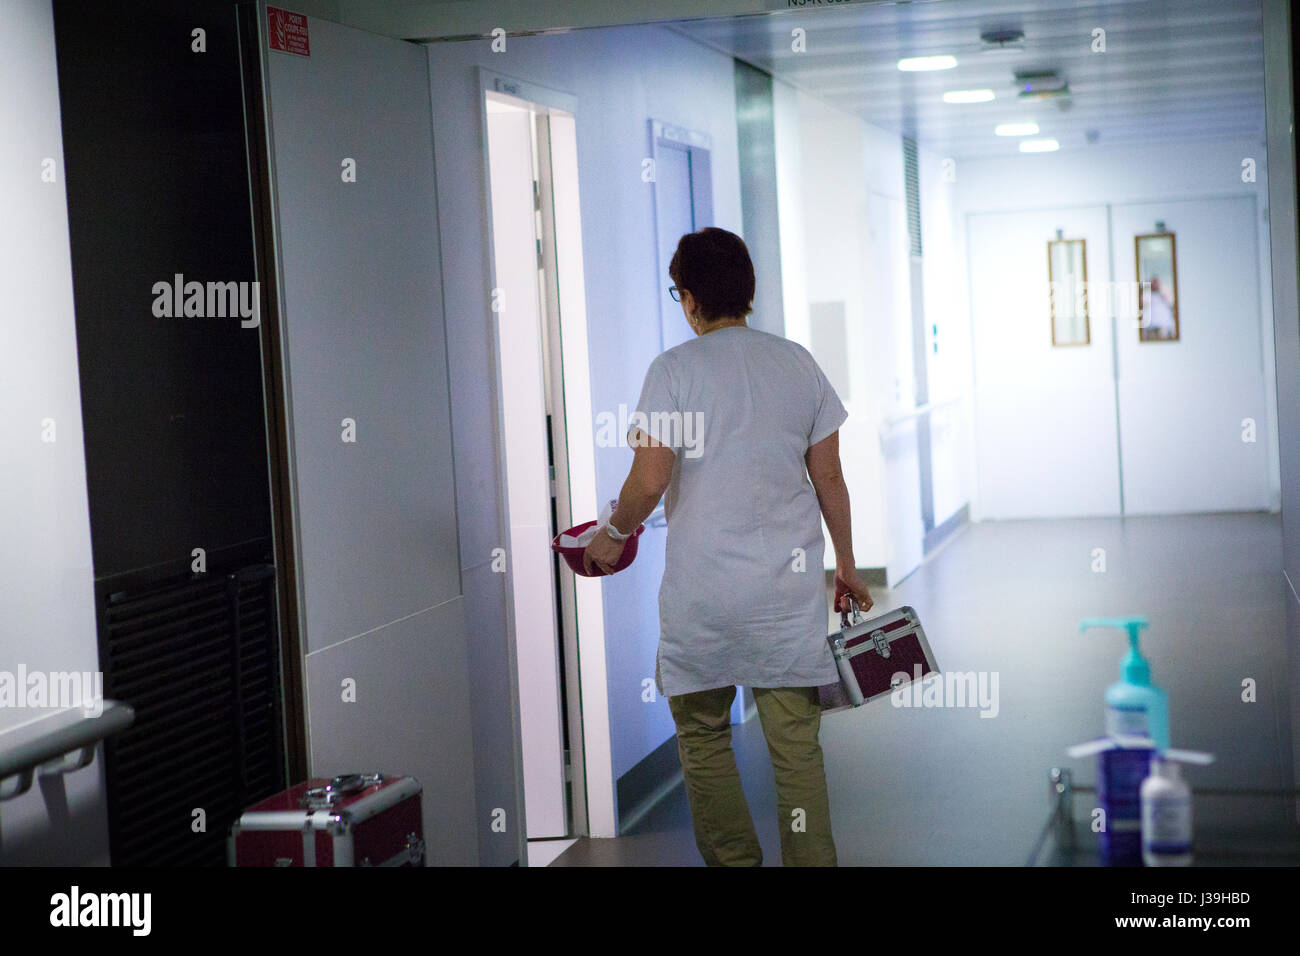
[823, 461]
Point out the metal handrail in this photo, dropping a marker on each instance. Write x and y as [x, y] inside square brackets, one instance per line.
[891, 423]
[55, 745]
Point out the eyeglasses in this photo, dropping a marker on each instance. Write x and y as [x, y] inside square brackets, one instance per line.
[673, 291]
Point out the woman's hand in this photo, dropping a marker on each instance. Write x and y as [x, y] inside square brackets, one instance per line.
[603, 552]
[848, 584]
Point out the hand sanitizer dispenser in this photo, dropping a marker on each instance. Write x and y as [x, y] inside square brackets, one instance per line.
[1134, 706]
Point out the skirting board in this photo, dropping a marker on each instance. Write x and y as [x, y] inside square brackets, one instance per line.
[942, 532]
[654, 776]
[874, 577]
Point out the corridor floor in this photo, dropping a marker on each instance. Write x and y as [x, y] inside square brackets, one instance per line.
[948, 785]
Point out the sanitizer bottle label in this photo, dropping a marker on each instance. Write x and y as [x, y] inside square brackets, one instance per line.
[1167, 825]
[1126, 723]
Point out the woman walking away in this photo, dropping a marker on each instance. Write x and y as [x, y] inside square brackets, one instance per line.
[738, 429]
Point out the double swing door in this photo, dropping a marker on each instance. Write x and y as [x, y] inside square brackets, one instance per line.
[1116, 425]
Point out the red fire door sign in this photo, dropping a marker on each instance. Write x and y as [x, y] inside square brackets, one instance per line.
[288, 31]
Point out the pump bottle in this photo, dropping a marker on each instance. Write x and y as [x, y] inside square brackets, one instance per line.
[1134, 706]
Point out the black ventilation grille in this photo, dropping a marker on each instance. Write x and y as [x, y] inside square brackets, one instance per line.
[912, 188]
[207, 727]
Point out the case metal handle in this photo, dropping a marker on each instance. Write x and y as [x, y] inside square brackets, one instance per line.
[856, 611]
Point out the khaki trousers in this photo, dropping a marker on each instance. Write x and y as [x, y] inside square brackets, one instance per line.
[724, 830]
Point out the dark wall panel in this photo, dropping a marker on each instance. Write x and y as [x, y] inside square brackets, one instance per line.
[756, 131]
[157, 185]
[173, 416]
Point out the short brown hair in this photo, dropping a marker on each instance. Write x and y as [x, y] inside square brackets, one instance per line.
[714, 266]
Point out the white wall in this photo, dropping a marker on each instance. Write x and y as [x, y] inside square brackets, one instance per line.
[362, 325]
[844, 239]
[948, 350]
[621, 78]
[45, 563]
[1163, 177]
[825, 201]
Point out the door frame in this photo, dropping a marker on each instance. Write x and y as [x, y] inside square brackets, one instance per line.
[1280, 159]
[290, 612]
[566, 603]
[698, 147]
[582, 616]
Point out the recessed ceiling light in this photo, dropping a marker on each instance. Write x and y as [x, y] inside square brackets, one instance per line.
[914, 64]
[1016, 129]
[1039, 146]
[968, 96]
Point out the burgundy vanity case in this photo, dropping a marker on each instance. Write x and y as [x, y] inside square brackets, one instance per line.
[352, 820]
[875, 657]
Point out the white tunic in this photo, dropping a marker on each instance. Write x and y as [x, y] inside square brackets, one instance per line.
[743, 598]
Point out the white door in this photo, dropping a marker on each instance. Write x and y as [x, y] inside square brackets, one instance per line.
[1045, 435]
[520, 341]
[1186, 406]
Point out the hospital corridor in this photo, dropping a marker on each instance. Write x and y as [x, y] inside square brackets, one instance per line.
[462, 433]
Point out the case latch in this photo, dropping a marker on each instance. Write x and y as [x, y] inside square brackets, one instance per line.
[882, 643]
[344, 785]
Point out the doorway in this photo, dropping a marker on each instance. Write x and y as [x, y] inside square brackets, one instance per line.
[547, 455]
[683, 188]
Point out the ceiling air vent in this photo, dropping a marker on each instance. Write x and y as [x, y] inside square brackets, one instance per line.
[1002, 42]
[1041, 85]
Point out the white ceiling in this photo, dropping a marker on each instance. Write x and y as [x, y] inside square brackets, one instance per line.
[1173, 70]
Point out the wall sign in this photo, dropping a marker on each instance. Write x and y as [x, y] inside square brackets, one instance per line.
[287, 31]
[809, 4]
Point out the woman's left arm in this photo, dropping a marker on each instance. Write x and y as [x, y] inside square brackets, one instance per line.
[652, 470]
